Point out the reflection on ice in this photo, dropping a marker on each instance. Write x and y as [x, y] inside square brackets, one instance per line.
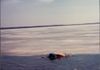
[71, 39]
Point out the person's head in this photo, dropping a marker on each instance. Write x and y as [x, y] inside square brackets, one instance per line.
[52, 56]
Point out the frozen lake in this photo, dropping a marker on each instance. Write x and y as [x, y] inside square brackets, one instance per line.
[67, 39]
[22, 49]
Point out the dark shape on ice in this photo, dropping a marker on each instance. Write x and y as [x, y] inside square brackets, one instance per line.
[53, 56]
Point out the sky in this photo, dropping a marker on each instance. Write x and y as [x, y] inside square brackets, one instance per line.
[44, 12]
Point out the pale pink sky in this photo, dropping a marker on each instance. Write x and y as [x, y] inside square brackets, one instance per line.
[39, 12]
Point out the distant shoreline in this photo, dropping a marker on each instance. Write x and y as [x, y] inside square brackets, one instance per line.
[42, 26]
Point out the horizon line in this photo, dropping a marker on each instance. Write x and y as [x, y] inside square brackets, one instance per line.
[42, 26]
